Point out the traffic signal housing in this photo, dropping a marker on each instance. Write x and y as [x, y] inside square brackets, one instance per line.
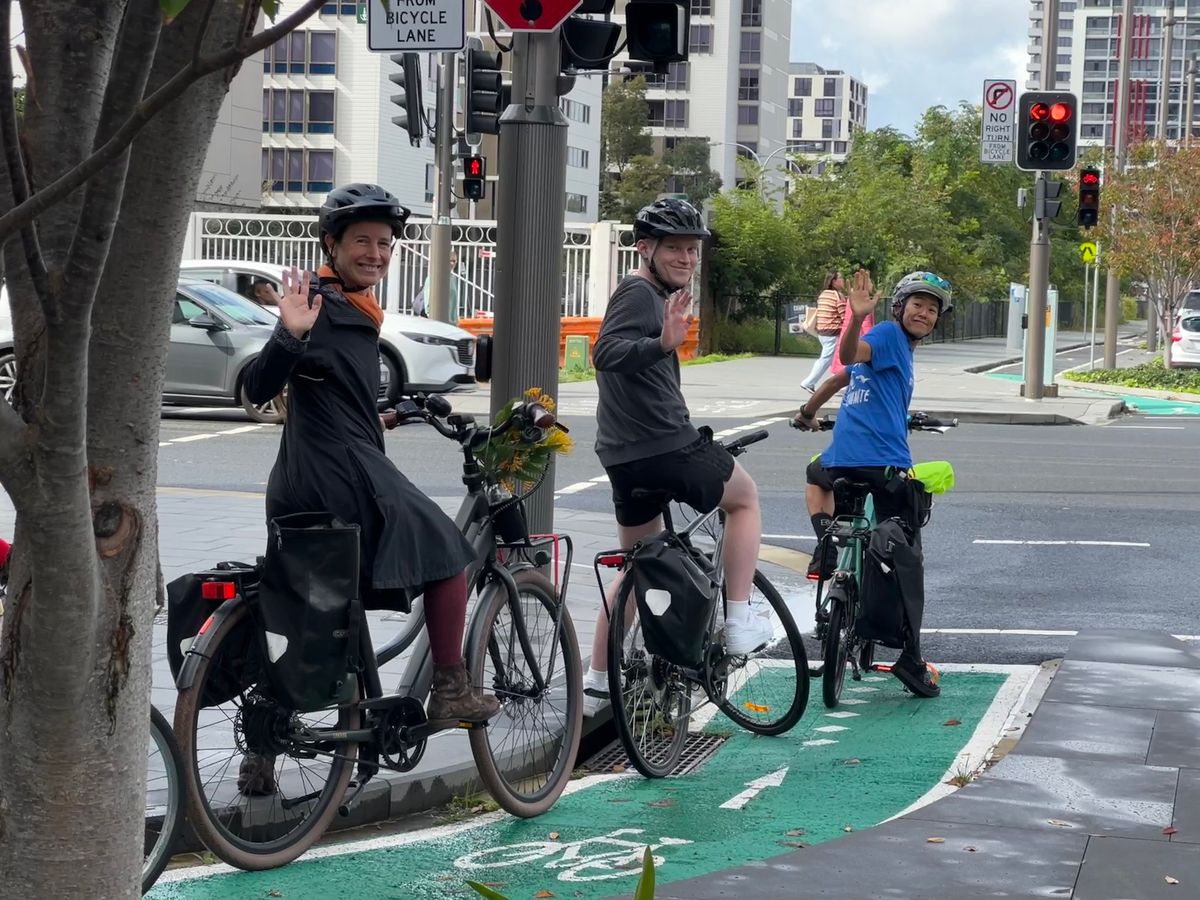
[408, 79]
[657, 31]
[1046, 204]
[1047, 129]
[474, 177]
[1088, 213]
[486, 94]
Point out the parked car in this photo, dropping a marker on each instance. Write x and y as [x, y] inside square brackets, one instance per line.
[422, 354]
[1190, 306]
[1185, 350]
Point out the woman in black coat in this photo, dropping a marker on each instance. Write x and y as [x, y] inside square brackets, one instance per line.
[331, 456]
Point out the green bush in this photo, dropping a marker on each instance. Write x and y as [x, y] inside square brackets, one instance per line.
[1148, 375]
[1128, 309]
[758, 336]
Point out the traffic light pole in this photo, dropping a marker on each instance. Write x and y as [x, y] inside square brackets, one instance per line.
[1112, 290]
[438, 301]
[530, 219]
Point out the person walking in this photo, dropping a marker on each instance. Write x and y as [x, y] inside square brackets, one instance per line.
[831, 310]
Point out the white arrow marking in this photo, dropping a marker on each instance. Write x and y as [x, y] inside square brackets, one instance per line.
[821, 742]
[775, 779]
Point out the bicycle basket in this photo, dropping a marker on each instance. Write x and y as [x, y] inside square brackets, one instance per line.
[676, 592]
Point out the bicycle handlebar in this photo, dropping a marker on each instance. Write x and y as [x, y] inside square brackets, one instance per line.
[919, 421]
[533, 419]
[738, 446]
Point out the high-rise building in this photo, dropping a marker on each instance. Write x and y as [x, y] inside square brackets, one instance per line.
[1086, 57]
[825, 108]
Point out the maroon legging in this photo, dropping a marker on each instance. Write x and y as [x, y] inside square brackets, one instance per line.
[445, 616]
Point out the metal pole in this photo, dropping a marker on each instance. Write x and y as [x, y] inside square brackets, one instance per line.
[1112, 291]
[1087, 268]
[439, 237]
[1191, 99]
[1039, 243]
[529, 238]
[1164, 77]
[1095, 297]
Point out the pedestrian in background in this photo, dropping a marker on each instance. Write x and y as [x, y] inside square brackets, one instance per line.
[831, 313]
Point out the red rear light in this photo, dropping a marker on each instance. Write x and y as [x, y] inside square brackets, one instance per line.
[205, 626]
[611, 560]
[218, 590]
[1176, 337]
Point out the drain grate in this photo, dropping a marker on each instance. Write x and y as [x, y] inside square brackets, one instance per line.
[698, 749]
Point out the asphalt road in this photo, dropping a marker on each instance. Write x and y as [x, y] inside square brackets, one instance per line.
[1128, 488]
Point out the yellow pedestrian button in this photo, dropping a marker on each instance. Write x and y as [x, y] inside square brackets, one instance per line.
[1087, 250]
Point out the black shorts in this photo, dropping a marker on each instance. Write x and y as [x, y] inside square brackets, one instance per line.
[695, 475]
[816, 474]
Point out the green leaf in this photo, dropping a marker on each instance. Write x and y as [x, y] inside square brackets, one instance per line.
[172, 8]
[645, 885]
[480, 888]
[270, 7]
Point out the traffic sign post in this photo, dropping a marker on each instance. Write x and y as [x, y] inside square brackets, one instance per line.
[416, 25]
[532, 15]
[999, 122]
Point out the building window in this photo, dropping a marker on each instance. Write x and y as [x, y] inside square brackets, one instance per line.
[297, 61]
[320, 112]
[700, 38]
[830, 87]
[1064, 59]
[295, 170]
[1091, 131]
[320, 172]
[576, 111]
[748, 84]
[796, 106]
[577, 203]
[674, 79]
[798, 128]
[295, 123]
[823, 108]
[839, 146]
[577, 157]
[277, 169]
[322, 53]
[748, 114]
[675, 115]
[802, 87]
[1064, 41]
[751, 13]
[751, 47]
[701, 7]
[430, 182]
[827, 128]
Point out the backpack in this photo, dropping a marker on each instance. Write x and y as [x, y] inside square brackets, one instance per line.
[892, 593]
[676, 591]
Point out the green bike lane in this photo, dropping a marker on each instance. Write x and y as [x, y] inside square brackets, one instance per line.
[1147, 406]
[838, 771]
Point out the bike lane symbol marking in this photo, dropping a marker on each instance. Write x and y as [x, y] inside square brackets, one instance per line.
[753, 788]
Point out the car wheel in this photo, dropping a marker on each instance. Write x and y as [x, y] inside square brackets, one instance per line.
[396, 377]
[273, 412]
[8, 375]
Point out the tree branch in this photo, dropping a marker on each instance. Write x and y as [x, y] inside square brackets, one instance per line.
[27, 211]
[208, 11]
[18, 176]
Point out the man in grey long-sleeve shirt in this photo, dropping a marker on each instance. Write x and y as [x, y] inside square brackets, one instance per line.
[644, 434]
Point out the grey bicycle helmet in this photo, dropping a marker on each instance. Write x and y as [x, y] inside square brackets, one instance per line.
[360, 203]
[922, 283]
[669, 217]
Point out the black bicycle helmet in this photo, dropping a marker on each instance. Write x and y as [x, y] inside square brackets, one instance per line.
[360, 203]
[667, 217]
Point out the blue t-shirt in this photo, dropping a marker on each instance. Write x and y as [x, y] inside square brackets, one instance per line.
[872, 424]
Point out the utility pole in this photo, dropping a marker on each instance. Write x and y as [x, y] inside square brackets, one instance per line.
[1112, 291]
[1039, 243]
[438, 301]
[1164, 97]
[1191, 99]
[530, 218]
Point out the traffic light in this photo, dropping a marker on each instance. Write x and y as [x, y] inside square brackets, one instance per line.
[408, 79]
[657, 31]
[1088, 214]
[1046, 204]
[1047, 123]
[588, 44]
[474, 177]
[487, 95]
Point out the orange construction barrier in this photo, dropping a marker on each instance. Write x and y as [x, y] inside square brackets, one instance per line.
[589, 326]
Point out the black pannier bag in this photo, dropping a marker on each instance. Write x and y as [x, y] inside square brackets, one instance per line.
[308, 611]
[676, 591]
[238, 665]
[892, 593]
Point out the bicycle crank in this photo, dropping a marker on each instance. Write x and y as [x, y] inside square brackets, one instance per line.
[400, 747]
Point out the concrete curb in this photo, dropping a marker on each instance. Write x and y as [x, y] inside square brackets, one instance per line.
[1150, 393]
[1099, 411]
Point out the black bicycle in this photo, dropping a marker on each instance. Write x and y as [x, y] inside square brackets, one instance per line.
[765, 692]
[520, 645]
[164, 798]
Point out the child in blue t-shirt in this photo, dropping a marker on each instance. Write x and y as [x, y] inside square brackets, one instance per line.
[871, 434]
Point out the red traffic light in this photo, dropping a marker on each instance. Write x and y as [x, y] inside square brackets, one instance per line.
[1060, 112]
[1089, 179]
[475, 167]
[1039, 111]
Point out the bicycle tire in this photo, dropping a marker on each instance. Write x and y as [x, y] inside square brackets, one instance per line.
[207, 822]
[799, 700]
[160, 840]
[624, 706]
[504, 784]
[837, 652]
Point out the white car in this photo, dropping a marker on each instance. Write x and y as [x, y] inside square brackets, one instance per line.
[423, 354]
[1185, 350]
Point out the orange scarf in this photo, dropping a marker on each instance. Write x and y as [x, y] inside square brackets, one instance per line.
[363, 301]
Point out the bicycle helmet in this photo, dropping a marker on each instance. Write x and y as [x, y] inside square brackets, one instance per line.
[922, 283]
[667, 217]
[360, 203]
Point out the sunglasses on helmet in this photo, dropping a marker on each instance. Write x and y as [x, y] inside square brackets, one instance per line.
[935, 280]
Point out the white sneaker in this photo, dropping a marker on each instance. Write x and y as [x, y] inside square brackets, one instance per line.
[746, 637]
[593, 701]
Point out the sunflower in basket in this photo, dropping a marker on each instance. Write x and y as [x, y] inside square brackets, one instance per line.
[511, 458]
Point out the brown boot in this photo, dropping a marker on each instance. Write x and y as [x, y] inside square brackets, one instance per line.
[256, 775]
[453, 699]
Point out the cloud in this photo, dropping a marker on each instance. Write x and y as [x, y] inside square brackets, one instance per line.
[828, 43]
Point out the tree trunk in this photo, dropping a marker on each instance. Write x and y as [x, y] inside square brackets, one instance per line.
[75, 652]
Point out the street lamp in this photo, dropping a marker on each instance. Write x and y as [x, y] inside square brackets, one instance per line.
[758, 161]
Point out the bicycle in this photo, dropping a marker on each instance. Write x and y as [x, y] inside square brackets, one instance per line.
[841, 603]
[164, 798]
[652, 698]
[520, 644]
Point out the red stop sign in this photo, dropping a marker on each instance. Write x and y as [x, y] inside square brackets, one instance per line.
[533, 15]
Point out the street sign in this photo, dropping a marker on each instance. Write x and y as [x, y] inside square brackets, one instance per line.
[533, 15]
[1087, 251]
[999, 128]
[416, 25]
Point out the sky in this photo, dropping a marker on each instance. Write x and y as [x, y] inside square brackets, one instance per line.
[914, 54]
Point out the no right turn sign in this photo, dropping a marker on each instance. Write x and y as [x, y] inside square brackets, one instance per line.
[999, 126]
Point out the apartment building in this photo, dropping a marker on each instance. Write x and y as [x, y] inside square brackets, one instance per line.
[825, 108]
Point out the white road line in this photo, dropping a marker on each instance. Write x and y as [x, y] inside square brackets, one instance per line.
[600, 479]
[575, 488]
[242, 429]
[1028, 632]
[1155, 427]
[193, 437]
[791, 537]
[1063, 543]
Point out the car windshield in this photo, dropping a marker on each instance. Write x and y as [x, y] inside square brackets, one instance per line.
[1191, 324]
[233, 306]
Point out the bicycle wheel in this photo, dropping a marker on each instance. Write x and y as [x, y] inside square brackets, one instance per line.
[265, 830]
[164, 798]
[525, 754]
[767, 692]
[651, 700]
[837, 651]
